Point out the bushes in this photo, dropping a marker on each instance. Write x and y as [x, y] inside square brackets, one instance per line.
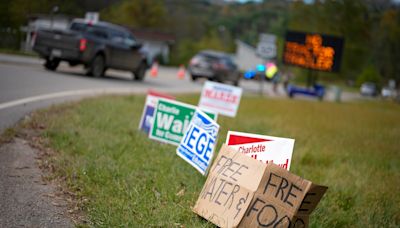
[369, 74]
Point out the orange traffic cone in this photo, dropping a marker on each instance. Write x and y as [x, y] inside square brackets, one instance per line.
[154, 69]
[181, 72]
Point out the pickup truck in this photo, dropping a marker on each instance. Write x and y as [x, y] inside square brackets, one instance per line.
[98, 46]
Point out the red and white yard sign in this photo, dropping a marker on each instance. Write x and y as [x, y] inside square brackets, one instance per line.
[220, 98]
[262, 147]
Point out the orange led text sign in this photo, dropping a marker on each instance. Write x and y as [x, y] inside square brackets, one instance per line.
[313, 51]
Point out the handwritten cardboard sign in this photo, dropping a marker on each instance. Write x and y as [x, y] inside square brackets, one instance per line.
[242, 192]
[197, 145]
[266, 149]
[171, 120]
[220, 98]
[148, 111]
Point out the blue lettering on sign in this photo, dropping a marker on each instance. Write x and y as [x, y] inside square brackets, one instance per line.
[198, 142]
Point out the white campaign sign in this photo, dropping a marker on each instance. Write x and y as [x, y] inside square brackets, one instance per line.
[220, 98]
[262, 147]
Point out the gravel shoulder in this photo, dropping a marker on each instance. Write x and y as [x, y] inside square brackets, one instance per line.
[27, 200]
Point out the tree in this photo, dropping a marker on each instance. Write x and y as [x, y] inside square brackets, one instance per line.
[20, 10]
[137, 13]
[386, 52]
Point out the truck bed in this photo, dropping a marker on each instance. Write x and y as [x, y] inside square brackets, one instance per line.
[58, 44]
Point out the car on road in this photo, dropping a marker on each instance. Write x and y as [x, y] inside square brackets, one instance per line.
[388, 92]
[98, 46]
[369, 89]
[215, 66]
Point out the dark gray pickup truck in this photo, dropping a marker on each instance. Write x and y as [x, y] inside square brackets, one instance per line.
[97, 46]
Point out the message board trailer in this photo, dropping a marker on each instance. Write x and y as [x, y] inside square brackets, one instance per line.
[242, 192]
[171, 120]
[197, 145]
[148, 111]
[264, 148]
[220, 98]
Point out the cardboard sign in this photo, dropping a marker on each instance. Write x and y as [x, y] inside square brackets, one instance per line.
[242, 192]
[220, 98]
[197, 145]
[147, 116]
[171, 119]
[266, 149]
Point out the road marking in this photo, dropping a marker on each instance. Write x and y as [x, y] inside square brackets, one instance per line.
[88, 92]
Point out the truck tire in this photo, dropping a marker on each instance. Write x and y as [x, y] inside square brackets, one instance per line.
[97, 66]
[140, 72]
[194, 77]
[51, 64]
[218, 78]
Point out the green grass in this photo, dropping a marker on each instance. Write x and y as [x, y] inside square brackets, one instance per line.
[17, 52]
[132, 181]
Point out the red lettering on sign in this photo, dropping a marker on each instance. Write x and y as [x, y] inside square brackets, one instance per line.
[220, 95]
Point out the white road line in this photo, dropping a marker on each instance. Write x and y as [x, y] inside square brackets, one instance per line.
[88, 92]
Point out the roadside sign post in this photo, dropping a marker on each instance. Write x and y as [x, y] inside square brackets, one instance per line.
[92, 17]
[261, 85]
[266, 49]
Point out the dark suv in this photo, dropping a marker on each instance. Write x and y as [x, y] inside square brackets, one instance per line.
[97, 46]
[216, 66]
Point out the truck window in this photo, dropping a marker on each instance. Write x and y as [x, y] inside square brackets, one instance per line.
[130, 40]
[117, 36]
[79, 27]
[97, 32]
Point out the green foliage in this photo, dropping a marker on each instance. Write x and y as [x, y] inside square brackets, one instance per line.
[386, 46]
[136, 13]
[132, 181]
[369, 74]
[20, 10]
[188, 48]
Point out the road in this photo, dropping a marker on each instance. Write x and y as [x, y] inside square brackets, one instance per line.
[26, 86]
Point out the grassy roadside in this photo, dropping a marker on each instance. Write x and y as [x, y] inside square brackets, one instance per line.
[17, 52]
[132, 181]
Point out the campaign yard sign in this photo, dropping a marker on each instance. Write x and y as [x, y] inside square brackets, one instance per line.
[266, 149]
[147, 115]
[220, 98]
[197, 145]
[242, 192]
[171, 119]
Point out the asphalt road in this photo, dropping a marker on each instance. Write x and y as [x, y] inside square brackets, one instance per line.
[26, 86]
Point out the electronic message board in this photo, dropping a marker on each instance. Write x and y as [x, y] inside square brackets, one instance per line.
[313, 51]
